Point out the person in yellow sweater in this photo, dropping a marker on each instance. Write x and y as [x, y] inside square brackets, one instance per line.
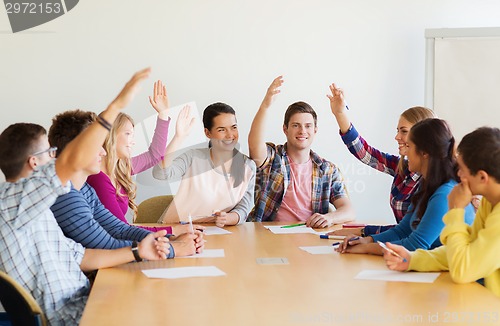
[470, 253]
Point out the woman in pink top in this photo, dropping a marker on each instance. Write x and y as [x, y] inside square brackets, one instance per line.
[114, 184]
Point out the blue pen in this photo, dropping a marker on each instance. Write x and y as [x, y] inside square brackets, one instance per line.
[332, 237]
[335, 244]
[354, 239]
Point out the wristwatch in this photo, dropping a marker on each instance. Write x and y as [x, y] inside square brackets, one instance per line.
[363, 232]
[135, 251]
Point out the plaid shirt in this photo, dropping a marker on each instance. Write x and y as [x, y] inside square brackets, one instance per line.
[34, 251]
[273, 178]
[403, 186]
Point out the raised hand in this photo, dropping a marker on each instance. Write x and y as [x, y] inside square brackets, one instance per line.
[272, 90]
[160, 101]
[337, 104]
[130, 89]
[184, 123]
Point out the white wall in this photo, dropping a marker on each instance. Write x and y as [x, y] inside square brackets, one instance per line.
[230, 51]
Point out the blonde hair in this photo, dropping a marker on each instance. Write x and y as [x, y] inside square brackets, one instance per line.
[414, 115]
[120, 168]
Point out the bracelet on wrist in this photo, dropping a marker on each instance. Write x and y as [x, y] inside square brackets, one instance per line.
[103, 122]
[135, 251]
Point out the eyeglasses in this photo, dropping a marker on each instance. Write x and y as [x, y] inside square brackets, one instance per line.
[51, 151]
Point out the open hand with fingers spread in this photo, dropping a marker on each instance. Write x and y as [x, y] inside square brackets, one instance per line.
[337, 104]
[184, 123]
[272, 91]
[160, 101]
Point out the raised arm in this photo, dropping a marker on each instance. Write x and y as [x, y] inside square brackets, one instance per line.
[183, 127]
[160, 101]
[256, 142]
[80, 152]
[337, 105]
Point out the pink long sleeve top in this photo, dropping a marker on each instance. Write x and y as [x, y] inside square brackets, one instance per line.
[106, 191]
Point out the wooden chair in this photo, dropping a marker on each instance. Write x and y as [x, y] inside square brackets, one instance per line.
[19, 304]
[150, 210]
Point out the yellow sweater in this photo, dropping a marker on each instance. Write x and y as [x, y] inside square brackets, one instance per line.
[468, 252]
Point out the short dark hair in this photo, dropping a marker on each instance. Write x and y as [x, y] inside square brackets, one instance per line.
[67, 125]
[480, 150]
[17, 143]
[299, 107]
[214, 110]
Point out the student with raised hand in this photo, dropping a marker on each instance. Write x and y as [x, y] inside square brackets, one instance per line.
[470, 253]
[217, 182]
[113, 184]
[33, 249]
[431, 153]
[294, 184]
[405, 182]
[81, 215]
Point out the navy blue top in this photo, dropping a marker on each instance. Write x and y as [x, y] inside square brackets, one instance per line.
[84, 219]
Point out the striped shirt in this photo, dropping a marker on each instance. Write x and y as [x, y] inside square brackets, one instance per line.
[273, 178]
[35, 252]
[83, 218]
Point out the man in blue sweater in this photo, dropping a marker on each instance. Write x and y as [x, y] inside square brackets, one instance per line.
[81, 215]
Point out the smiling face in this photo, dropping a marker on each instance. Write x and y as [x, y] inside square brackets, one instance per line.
[416, 159]
[224, 132]
[300, 131]
[401, 137]
[125, 140]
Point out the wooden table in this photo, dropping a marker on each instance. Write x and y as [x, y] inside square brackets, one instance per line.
[310, 290]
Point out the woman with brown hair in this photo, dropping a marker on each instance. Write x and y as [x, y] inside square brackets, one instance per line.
[405, 182]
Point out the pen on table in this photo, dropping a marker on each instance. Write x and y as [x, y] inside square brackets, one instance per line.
[391, 251]
[292, 225]
[332, 237]
[335, 244]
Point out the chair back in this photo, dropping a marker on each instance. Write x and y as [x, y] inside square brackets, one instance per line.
[19, 304]
[150, 210]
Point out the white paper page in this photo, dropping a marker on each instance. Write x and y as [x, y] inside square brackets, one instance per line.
[394, 276]
[208, 253]
[215, 230]
[183, 272]
[277, 229]
[320, 250]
